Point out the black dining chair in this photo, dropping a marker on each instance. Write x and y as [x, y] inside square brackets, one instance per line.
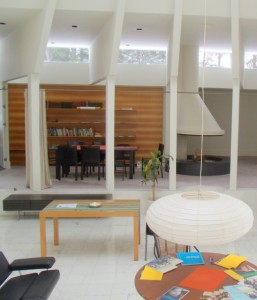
[149, 232]
[99, 143]
[90, 158]
[120, 162]
[66, 157]
[126, 156]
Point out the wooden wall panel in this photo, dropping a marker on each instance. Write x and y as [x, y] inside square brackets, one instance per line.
[16, 108]
[145, 120]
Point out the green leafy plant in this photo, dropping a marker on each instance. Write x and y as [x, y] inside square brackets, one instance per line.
[153, 168]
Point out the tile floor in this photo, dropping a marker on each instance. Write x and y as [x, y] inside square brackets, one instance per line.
[95, 256]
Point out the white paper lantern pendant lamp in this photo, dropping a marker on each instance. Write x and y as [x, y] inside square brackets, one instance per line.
[199, 218]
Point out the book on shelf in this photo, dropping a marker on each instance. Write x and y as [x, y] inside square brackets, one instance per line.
[88, 107]
[164, 264]
[174, 293]
[71, 131]
[191, 258]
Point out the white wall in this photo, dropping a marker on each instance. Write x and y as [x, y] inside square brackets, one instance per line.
[144, 75]
[250, 79]
[72, 73]
[220, 78]
[65, 73]
[141, 75]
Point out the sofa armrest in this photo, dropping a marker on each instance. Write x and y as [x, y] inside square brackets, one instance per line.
[32, 263]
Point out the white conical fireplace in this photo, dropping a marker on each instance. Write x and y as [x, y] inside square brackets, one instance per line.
[192, 111]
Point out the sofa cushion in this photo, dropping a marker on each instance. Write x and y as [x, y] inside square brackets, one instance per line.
[42, 286]
[15, 287]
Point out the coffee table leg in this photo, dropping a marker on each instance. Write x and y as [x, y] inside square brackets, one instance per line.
[43, 236]
[136, 236]
[56, 231]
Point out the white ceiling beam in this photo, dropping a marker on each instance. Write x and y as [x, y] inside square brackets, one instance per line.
[105, 49]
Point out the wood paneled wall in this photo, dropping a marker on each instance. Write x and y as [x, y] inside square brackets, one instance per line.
[146, 118]
[16, 110]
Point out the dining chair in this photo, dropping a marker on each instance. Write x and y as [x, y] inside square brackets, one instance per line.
[91, 157]
[149, 232]
[163, 247]
[120, 162]
[66, 157]
[126, 155]
[99, 143]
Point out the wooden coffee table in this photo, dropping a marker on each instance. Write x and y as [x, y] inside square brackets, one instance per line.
[109, 208]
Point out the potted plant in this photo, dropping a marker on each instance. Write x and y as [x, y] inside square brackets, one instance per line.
[153, 168]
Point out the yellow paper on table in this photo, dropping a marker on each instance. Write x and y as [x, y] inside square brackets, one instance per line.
[231, 261]
[234, 275]
[151, 274]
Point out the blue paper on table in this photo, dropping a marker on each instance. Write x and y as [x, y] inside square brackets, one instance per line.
[236, 294]
[191, 258]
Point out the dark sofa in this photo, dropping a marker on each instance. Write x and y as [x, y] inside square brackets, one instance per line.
[29, 286]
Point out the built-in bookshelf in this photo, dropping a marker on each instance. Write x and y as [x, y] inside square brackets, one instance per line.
[87, 124]
[75, 122]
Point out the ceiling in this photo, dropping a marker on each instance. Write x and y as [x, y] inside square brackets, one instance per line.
[154, 33]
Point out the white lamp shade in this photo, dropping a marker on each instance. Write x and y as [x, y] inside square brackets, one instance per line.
[199, 218]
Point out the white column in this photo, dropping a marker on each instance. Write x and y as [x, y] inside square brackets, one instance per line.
[4, 128]
[234, 134]
[172, 82]
[236, 70]
[33, 132]
[173, 133]
[109, 134]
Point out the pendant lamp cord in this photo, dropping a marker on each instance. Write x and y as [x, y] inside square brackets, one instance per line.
[203, 94]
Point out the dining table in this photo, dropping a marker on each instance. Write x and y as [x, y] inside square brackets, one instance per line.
[130, 151]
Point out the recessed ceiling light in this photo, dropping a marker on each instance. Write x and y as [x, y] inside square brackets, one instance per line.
[2, 23]
[74, 26]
